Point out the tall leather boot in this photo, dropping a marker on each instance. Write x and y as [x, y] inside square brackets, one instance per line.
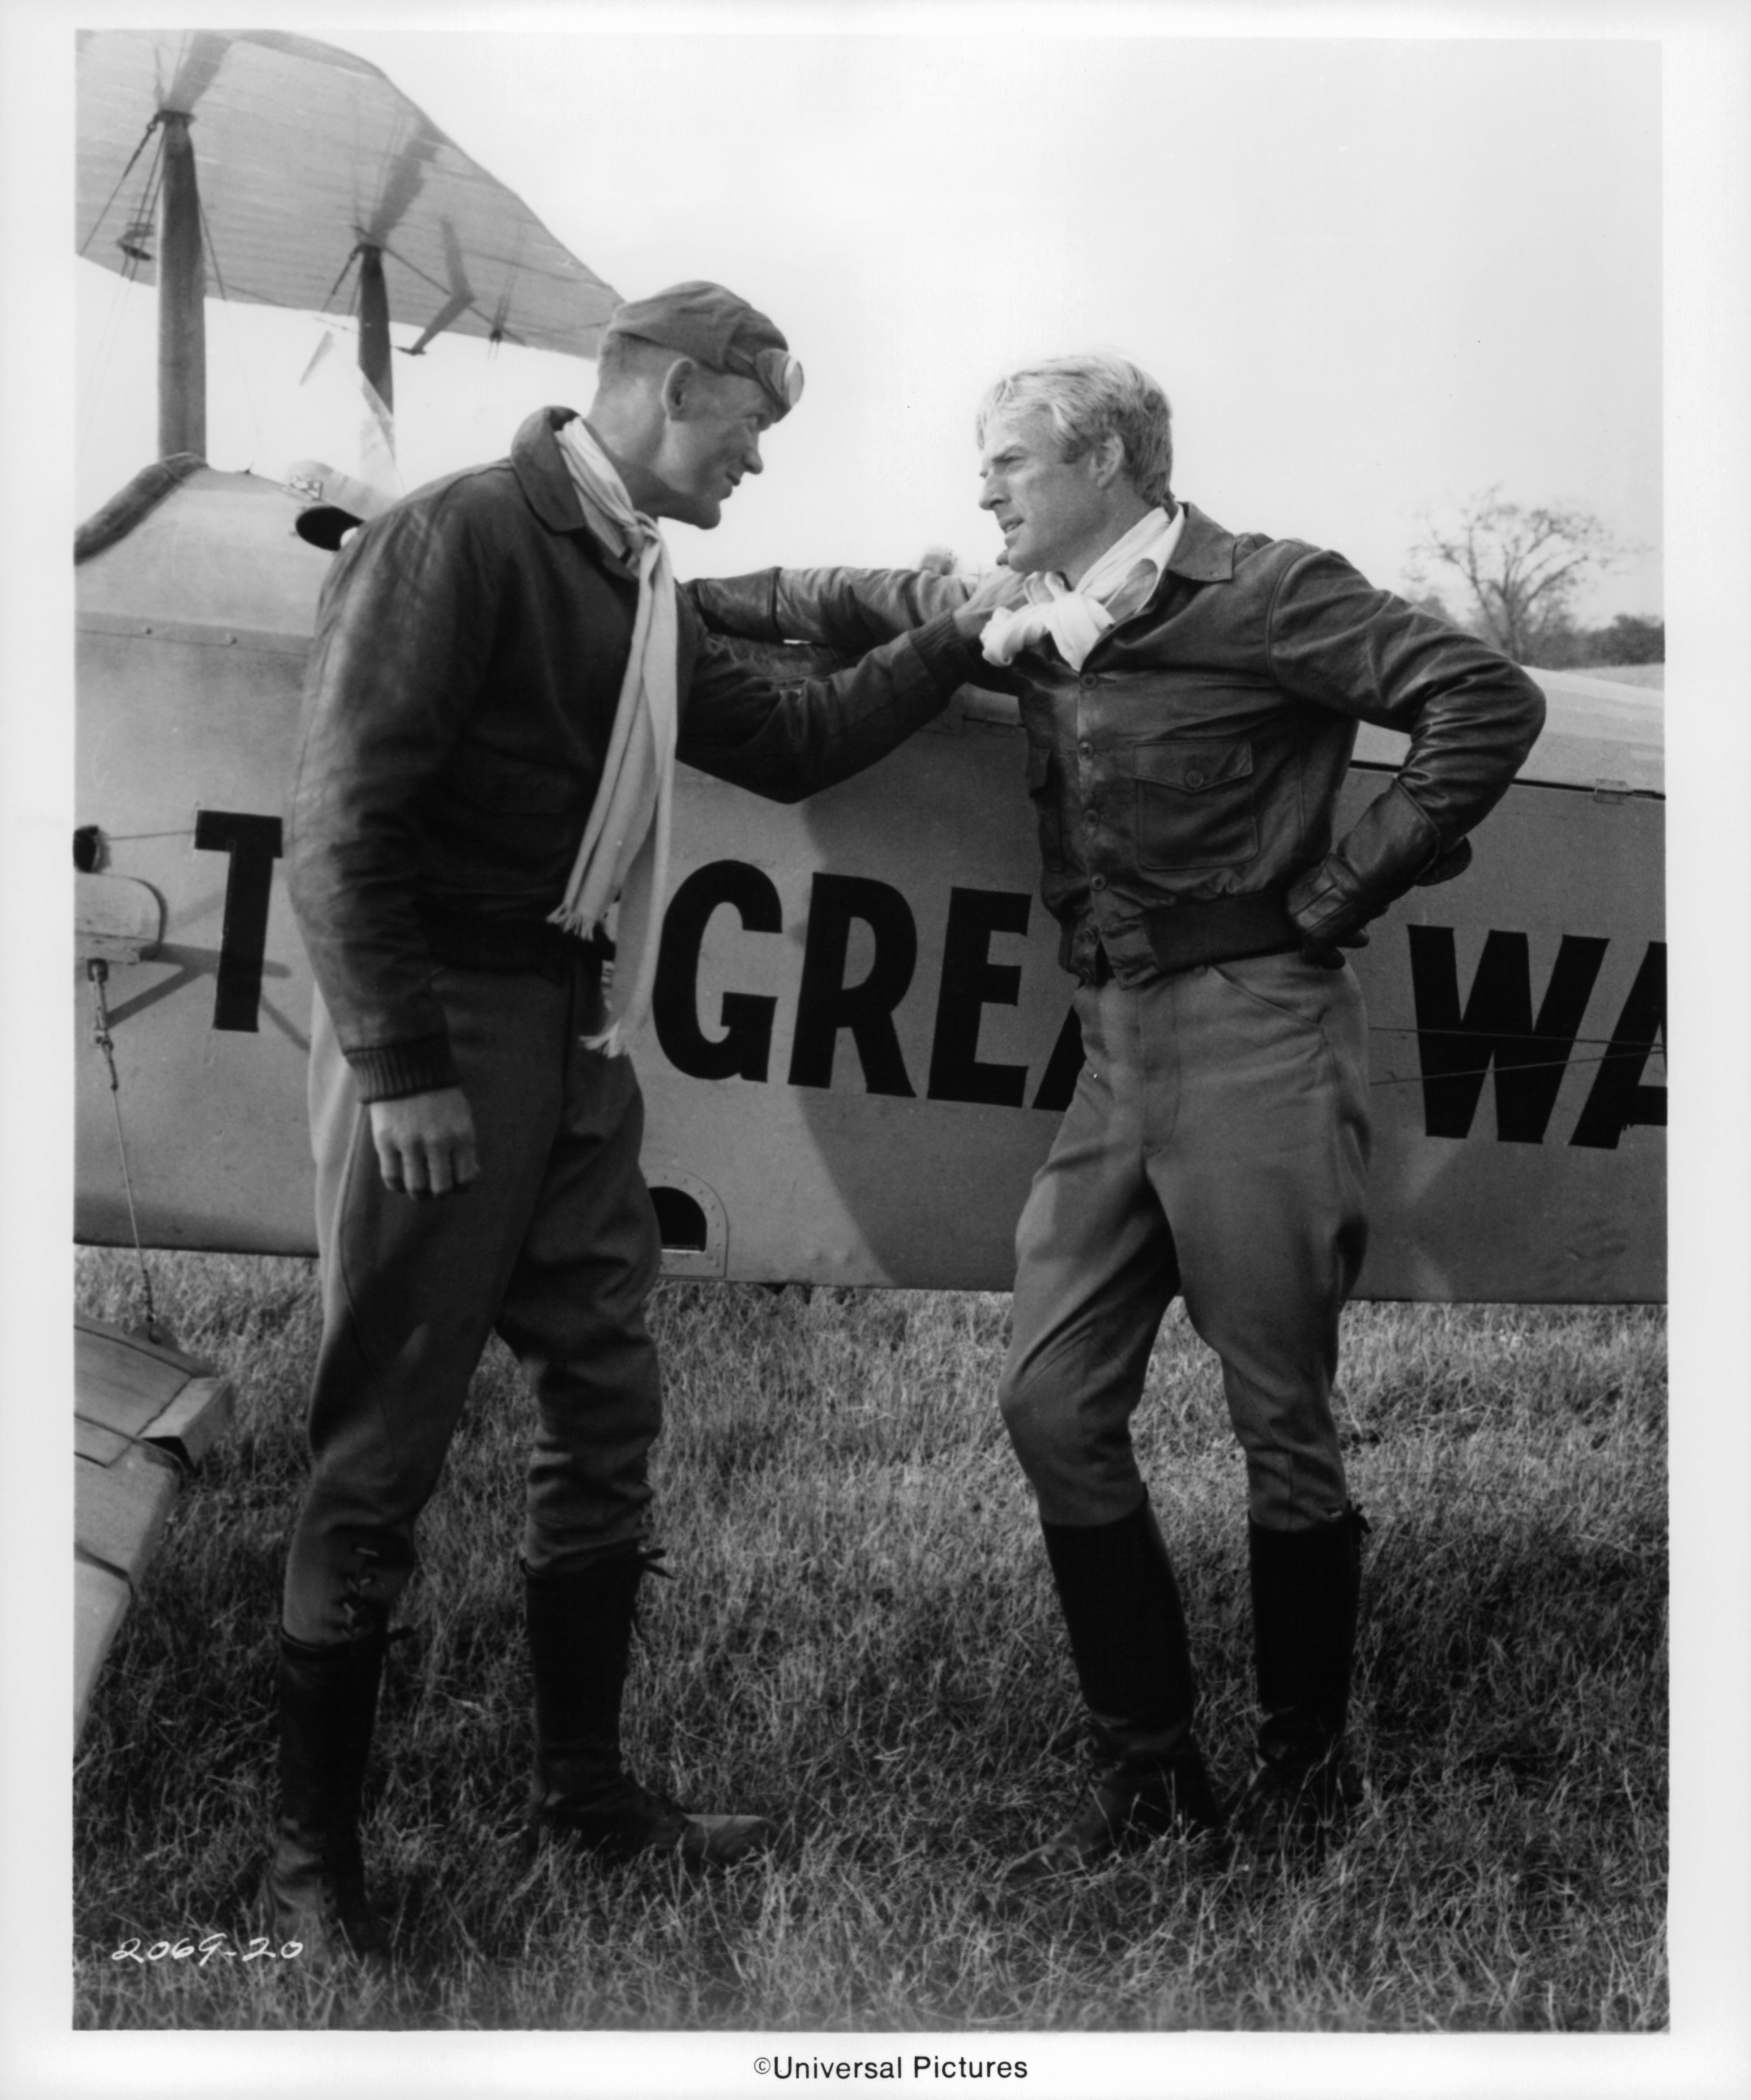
[314, 1890]
[1127, 1635]
[1306, 1591]
[580, 1628]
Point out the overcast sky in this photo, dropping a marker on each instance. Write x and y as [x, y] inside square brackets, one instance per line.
[1374, 277]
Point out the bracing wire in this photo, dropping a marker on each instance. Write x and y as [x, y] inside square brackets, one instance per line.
[425, 277]
[128, 275]
[99, 972]
[231, 323]
[107, 340]
[340, 280]
[108, 200]
[1609, 1052]
[1630, 1053]
[1471, 1034]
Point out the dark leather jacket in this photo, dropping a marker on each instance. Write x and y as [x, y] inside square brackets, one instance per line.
[461, 688]
[1194, 760]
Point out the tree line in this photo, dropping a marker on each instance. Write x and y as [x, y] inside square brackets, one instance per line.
[1515, 570]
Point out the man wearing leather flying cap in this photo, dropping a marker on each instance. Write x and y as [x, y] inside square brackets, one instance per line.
[503, 676]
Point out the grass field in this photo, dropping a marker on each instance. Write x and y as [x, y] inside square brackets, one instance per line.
[861, 1637]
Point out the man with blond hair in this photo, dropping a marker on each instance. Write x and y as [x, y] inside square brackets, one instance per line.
[1190, 697]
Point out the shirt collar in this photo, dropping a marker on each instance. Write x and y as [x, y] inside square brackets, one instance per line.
[551, 491]
[1123, 578]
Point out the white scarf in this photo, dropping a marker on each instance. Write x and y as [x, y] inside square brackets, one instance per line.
[1076, 620]
[624, 851]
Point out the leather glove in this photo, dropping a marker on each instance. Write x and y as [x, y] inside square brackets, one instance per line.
[1329, 907]
[1326, 953]
[1392, 847]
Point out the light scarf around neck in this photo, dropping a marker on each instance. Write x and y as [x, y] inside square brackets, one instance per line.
[624, 851]
[1076, 620]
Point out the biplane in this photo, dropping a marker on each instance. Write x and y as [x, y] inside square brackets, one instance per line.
[861, 1039]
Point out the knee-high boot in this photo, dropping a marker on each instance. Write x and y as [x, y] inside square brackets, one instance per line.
[1306, 1593]
[314, 1891]
[1127, 1629]
[579, 1623]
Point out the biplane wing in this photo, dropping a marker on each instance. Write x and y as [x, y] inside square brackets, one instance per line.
[304, 154]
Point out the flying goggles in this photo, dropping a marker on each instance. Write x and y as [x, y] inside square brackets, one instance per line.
[778, 371]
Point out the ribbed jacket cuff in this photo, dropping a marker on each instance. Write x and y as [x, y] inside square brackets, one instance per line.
[389, 1071]
[951, 659]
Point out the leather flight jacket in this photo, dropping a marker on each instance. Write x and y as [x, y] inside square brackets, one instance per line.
[1185, 777]
[461, 689]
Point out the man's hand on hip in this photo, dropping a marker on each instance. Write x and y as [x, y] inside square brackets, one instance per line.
[426, 1143]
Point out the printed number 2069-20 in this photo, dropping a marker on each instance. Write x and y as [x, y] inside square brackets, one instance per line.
[210, 1945]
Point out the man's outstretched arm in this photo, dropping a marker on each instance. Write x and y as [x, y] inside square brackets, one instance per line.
[850, 610]
[787, 740]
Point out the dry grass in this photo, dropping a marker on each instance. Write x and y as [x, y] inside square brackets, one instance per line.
[861, 1637]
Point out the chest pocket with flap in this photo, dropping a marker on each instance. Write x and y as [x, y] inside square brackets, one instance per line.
[1194, 804]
